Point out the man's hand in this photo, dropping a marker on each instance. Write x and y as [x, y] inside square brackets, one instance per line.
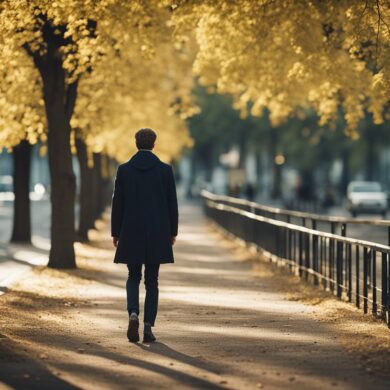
[115, 241]
[173, 240]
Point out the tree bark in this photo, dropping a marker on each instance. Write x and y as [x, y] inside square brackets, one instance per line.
[63, 181]
[21, 231]
[276, 168]
[345, 172]
[86, 207]
[102, 185]
[259, 168]
[108, 182]
[243, 147]
[370, 157]
[59, 101]
[97, 183]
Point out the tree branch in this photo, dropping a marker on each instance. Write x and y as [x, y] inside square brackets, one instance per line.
[377, 32]
[70, 96]
[33, 54]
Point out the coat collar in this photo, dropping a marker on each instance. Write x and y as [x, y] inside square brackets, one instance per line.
[144, 160]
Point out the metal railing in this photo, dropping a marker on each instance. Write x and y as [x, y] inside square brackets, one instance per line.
[353, 269]
[331, 224]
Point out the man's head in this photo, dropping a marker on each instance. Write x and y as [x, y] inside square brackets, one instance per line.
[145, 138]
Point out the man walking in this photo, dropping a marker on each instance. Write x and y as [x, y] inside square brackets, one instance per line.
[144, 223]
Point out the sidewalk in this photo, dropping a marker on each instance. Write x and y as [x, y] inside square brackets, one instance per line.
[16, 259]
[220, 326]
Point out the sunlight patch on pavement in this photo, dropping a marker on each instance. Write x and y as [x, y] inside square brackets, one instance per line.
[195, 237]
[208, 271]
[84, 250]
[255, 333]
[228, 298]
[30, 257]
[186, 256]
[41, 242]
[9, 273]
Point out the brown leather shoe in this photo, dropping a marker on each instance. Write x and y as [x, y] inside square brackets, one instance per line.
[132, 330]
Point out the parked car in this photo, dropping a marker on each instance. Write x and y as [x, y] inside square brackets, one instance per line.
[366, 197]
[37, 192]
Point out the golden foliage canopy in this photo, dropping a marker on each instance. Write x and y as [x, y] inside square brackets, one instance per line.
[117, 52]
[283, 55]
[280, 55]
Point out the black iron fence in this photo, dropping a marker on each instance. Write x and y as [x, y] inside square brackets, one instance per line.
[353, 269]
[331, 224]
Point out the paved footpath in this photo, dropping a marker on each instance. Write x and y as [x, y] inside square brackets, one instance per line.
[16, 259]
[219, 327]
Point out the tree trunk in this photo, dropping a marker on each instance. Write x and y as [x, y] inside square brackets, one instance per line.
[370, 157]
[109, 183]
[193, 173]
[21, 231]
[204, 156]
[276, 168]
[106, 181]
[277, 181]
[103, 185]
[86, 207]
[259, 168]
[63, 185]
[345, 172]
[97, 184]
[242, 149]
[59, 103]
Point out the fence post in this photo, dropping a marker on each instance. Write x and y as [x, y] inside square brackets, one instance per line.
[344, 229]
[384, 286]
[289, 239]
[339, 268]
[323, 262]
[315, 259]
[357, 276]
[349, 267]
[294, 249]
[331, 264]
[388, 235]
[314, 224]
[307, 255]
[300, 255]
[365, 281]
[387, 276]
[374, 292]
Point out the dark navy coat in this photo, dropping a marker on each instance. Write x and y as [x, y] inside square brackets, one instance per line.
[144, 210]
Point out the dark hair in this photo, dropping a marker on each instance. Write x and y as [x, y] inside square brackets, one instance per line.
[145, 138]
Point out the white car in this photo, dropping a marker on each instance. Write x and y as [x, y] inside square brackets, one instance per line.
[366, 197]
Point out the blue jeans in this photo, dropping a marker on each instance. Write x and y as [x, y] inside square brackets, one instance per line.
[151, 287]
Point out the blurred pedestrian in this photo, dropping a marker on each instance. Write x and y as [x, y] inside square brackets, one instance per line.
[234, 190]
[249, 191]
[328, 200]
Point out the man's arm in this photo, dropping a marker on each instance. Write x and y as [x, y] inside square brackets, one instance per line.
[117, 208]
[172, 205]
